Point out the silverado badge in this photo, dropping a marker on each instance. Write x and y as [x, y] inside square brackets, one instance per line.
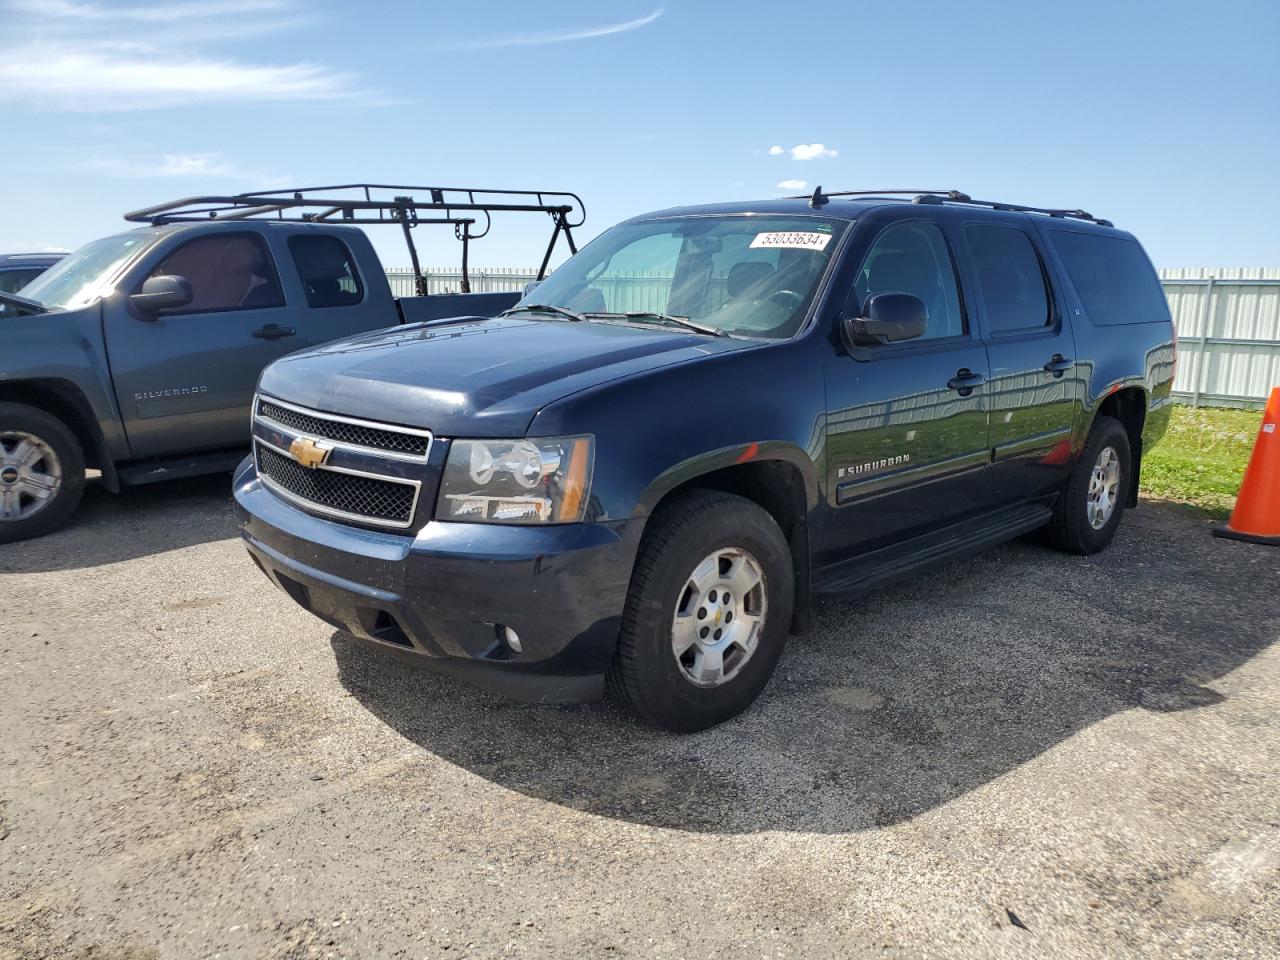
[310, 453]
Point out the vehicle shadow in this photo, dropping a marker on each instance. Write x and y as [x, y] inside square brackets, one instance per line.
[896, 703]
[137, 522]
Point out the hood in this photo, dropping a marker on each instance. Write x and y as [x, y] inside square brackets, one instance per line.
[475, 377]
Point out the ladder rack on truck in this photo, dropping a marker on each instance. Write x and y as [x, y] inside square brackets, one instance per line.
[381, 203]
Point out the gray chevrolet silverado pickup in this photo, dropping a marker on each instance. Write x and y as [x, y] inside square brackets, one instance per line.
[137, 355]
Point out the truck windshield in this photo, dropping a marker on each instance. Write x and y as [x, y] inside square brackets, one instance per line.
[79, 279]
[736, 274]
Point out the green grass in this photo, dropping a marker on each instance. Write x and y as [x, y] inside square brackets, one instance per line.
[1201, 459]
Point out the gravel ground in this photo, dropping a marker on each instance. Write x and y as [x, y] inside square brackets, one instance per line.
[1026, 754]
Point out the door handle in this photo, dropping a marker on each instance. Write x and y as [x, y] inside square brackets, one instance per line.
[273, 331]
[965, 380]
[1059, 365]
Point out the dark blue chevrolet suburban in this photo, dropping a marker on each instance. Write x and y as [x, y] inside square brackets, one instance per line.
[641, 475]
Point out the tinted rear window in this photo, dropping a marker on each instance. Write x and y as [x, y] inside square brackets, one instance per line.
[328, 271]
[1112, 276]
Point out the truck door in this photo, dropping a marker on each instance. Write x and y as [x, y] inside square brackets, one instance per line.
[1034, 385]
[185, 380]
[906, 437]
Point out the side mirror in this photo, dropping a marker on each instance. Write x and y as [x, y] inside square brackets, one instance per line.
[161, 293]
[887, 318]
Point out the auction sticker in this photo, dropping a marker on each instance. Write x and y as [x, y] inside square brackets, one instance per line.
[803, 240]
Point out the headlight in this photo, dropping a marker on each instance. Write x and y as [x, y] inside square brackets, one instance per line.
[517, 481]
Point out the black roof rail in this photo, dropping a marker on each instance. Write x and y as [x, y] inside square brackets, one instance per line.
[364, 203]
[1017, 208]
[818, 199]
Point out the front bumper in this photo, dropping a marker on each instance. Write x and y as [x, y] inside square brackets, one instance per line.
[442, 597]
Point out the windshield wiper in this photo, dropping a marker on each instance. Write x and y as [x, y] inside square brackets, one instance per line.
[543, 308]
[666, 318]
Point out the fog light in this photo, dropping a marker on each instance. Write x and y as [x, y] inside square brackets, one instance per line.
[511, 639]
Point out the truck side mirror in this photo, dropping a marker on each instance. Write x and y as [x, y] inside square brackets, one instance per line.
[161, 293]
[886, 318]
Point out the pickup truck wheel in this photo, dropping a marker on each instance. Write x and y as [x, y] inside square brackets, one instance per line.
[707, 614]
[1088, 511]
[41, 472]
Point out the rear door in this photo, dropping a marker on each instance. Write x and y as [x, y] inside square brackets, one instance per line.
[334, 298]
[1034, 386]
[906, 438]
[184, 379]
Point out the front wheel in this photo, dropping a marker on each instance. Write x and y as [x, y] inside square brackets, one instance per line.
[707, 614]
[1088, 511]
[41, 472]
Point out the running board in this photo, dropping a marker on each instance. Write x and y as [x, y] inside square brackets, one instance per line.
[959, 540]
[178, 468]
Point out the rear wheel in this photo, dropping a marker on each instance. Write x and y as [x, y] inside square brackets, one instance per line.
[41, 472]
[1088, 512]
[707, 614]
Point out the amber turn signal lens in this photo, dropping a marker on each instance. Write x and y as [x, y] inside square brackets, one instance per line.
[575, 484]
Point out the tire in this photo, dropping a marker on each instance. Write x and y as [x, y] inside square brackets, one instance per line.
[734, 543]
[1073, 527]
[27, 432]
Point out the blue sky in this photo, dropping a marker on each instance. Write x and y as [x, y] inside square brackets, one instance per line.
[1164, 117]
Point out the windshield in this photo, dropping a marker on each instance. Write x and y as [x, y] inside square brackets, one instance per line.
[746, 275]
[78, 280]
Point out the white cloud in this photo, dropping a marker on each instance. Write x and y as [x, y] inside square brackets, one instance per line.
[167, 165]
[812, 151]
[107, 78]
[791, 184]
[805, 151]
[192, 165]
[178, 165]
[536, 38]
[79, 55]
[169, 13]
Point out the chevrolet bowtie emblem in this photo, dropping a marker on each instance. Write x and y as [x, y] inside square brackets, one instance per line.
[310, 453]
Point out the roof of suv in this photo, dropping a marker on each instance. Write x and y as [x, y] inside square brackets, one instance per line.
[852, 207]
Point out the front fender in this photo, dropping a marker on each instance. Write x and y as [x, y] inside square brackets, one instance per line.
[63, 351]
[661, 428]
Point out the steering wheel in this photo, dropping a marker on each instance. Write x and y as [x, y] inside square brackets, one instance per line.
[785, 298]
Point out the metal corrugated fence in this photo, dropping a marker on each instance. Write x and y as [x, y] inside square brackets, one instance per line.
[1228, 322]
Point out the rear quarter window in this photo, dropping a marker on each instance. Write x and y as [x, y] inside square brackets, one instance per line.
[328, 271]
[1112, 277]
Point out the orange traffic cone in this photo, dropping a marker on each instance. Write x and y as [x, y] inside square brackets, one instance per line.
[1256, 517]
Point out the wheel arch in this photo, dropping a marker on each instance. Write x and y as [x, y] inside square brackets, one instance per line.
[774, 479]
[64, 400]
[1128, 405]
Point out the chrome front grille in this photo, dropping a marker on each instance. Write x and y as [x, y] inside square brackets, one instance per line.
[372, 474]
[359, 433]
[362, 497]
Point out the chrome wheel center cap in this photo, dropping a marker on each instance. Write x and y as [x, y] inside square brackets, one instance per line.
[718, 617]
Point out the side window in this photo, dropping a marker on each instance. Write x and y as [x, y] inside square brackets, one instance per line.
[913, 258]
[328, 271]
[226, 272]
[1112, 276]
[11, 281]
[1010, 276]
